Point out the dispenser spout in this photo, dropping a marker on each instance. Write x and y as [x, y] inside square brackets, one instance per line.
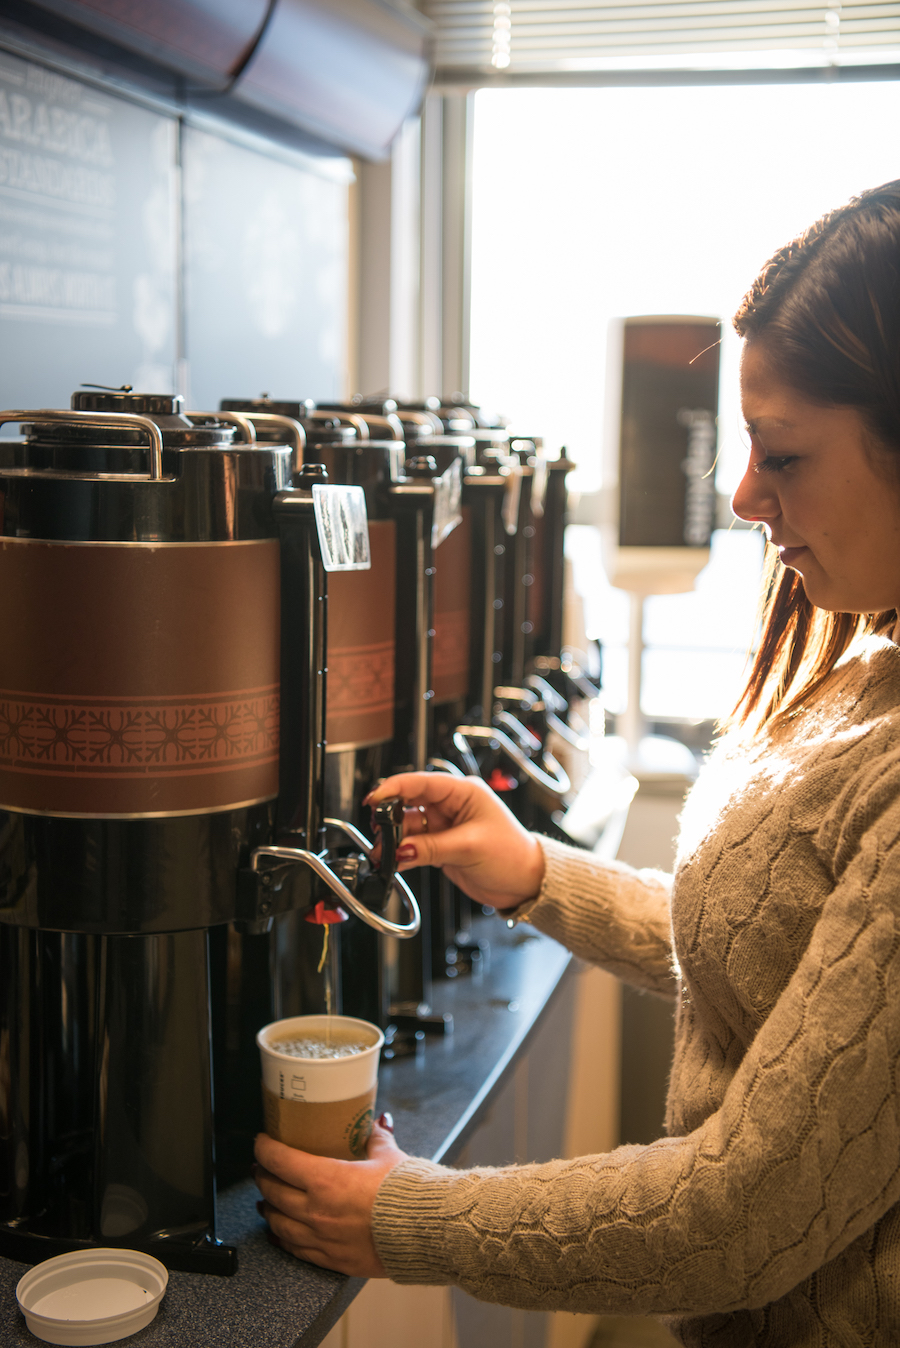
[389, 817]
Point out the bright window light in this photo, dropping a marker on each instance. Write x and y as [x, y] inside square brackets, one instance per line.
[591, 204]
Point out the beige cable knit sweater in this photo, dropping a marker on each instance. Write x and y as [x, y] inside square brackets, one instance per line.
[767, 1216]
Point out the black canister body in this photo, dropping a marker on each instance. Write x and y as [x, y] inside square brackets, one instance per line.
[139, 765]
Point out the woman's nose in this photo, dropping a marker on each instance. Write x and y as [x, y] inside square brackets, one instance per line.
[755, 498]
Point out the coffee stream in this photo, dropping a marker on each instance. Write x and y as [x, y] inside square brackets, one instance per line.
[325, 966]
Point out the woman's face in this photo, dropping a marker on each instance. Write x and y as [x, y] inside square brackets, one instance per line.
[826, 493]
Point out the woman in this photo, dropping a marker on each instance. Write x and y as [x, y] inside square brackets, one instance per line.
[767, 1214]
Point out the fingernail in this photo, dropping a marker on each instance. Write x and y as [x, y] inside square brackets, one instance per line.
[405, 853]
[366, 799]
[386, 1121]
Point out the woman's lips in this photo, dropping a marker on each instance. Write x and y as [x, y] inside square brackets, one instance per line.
[790, 556]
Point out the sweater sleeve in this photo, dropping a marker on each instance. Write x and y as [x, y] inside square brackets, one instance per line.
[801, 1157]
[609, 914]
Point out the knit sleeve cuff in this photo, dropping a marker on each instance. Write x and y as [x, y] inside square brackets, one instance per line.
[559, 859]
[408, 1227]
[608, 913]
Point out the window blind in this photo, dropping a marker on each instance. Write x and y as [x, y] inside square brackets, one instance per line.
[544, 36]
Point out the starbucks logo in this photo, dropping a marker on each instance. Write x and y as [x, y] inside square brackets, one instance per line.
[360, 1130]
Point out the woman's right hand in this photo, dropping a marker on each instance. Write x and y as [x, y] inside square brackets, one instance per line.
[458, 824]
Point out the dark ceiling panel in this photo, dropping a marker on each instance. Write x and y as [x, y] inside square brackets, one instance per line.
[347, 70]
[344, 72]
[205, 39]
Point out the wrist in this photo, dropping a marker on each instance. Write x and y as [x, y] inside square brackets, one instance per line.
[536, 868]
[531, 881]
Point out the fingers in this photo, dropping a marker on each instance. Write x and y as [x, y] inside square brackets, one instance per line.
[296, 1168]
[283, 1197]
[343, 1242]
[288, 1230]
[436, 791]
[415, 820]
[381, 1145]
[321, 1209]
[406, 785]
[310, 1254]
[299, 1240]
[495, 862]
[460, 846]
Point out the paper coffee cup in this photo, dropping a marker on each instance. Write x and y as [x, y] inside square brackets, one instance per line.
[322, 1105]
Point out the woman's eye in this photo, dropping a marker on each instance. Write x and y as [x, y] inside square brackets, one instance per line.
[773, 463]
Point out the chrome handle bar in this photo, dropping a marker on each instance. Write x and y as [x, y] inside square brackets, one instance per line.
[347, 900]
[555, 779]
[99, 420]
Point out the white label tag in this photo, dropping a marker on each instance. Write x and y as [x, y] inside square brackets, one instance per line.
[447, 503]
[539, 485]
[343, 527]
[510, 509]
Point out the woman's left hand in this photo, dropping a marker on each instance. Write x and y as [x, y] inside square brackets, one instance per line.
[321, 1210]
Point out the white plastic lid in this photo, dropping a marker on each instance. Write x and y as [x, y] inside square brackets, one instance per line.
[92, 1296]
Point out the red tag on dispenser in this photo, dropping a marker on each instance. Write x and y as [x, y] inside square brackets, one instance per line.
[319, 914]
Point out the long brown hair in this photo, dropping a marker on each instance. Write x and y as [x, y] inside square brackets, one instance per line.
[826, 308]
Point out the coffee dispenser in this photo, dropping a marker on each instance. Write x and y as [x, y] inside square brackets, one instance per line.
[477, 728]
[162, 596]
[361, 650]
[493, 739]
[425, 507]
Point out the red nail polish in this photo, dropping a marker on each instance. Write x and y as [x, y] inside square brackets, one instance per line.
[406, 853]
[386, 1121]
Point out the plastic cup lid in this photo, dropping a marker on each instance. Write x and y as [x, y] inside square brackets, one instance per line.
[92, 1296]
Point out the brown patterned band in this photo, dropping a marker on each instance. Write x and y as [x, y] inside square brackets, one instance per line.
[92, 737]
[452, 612]
[137, 679]
[361, 646]
[146, 745]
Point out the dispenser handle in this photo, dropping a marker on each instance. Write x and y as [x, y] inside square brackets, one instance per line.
[99, 420]
[423, 419]
[391, 824]
[554, 780]
[526, 739]
[388, 422]
[292, 429]
[388, 816]
[444, 765]
[551, 699]
[238, 419]
[565, 731]
[337, 886]
[554, 707]
[360, 425]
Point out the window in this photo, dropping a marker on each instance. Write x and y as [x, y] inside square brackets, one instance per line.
[595, 203]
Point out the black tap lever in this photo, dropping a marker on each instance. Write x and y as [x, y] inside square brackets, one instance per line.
[387, 816]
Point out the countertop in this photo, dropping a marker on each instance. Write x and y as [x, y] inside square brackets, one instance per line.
[436, 1100]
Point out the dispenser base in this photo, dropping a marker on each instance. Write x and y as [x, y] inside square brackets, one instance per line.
[203, 1255]
[409, 1023]
[466, 957]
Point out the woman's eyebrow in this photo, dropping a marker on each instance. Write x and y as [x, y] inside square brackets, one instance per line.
[755, 425]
